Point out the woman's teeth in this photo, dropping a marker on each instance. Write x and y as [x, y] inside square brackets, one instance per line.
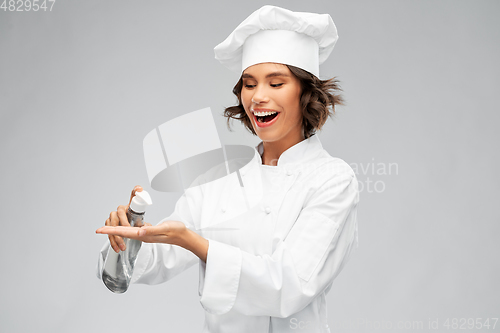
[265, 116]
[264, 113]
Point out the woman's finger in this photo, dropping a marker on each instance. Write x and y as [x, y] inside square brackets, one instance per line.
[113, 219]
[122, 216]
[114, 222]
[113, 244]
[149, 234]
[111, 238]
[127, 232]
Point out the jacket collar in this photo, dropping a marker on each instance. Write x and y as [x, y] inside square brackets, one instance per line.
[300, 152]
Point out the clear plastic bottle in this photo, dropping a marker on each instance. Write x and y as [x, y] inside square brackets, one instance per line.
[118, 267]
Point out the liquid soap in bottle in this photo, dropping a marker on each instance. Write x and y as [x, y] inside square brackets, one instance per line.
[118, 267]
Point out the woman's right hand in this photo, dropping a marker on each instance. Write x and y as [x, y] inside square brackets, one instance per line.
[119, 218]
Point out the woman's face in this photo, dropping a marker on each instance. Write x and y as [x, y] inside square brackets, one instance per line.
[272, 88]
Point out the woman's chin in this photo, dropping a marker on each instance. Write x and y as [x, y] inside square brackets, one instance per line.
[263, 135]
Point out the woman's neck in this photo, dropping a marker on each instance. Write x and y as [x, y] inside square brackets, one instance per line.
[274, 149]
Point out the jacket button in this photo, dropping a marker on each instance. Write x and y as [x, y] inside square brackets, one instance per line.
[289, 173]
[223, 209]
[268, 210]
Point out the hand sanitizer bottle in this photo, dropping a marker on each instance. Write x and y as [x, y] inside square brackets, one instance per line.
[118, 267]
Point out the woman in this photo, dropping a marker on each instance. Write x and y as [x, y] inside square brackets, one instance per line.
[268, 265]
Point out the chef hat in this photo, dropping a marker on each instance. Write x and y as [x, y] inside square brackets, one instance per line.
[274, 34]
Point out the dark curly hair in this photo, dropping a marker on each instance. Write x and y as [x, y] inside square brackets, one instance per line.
[318, 100]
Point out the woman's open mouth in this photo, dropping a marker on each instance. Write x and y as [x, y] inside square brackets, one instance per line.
[265, 118]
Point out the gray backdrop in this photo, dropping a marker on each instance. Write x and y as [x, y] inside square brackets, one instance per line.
[81, 85]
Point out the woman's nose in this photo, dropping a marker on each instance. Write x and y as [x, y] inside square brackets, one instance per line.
[260, 96]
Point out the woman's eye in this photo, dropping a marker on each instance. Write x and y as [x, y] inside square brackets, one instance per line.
[276, 85]
[249, 86]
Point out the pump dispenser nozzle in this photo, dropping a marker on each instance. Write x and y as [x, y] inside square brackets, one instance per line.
[140, 201]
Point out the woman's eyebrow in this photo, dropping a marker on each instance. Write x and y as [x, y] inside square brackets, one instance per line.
[273, 74]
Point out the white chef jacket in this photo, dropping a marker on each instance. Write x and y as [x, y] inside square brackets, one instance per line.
[275, 244]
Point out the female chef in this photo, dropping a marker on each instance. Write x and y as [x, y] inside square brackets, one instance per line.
[268, 254]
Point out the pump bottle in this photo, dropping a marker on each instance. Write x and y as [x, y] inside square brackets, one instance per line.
[118, 267]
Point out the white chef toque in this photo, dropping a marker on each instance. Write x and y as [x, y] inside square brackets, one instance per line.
[274, 34]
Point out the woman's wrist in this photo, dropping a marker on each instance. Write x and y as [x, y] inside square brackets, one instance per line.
[193, 242]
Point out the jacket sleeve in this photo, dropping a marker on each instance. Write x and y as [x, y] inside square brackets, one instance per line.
[302, 266]
[158, 263]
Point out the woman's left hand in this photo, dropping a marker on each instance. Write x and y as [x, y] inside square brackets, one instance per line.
[168, 232]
